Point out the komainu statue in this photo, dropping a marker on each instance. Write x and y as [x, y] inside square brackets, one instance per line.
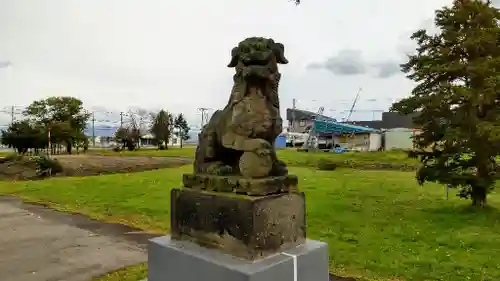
[239, 139]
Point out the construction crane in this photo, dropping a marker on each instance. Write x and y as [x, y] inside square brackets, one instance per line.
[320, 110]
[353, 105]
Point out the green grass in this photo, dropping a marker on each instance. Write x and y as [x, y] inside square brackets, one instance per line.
[379, 224]
[291, 156]
[133, 273]
[5, 153]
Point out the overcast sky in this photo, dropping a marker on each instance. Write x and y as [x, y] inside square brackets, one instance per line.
[116, 54]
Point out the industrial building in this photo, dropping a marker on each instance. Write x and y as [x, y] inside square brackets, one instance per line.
[394, 131]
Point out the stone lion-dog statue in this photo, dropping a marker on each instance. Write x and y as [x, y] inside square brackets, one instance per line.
[239, 139]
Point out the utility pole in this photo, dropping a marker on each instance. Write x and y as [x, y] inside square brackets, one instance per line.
[203, 110]
[93, 128]
[12, 112]
[294, 102]
[48, 139]
[121, 119]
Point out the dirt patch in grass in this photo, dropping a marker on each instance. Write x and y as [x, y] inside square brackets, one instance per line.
[88, 165]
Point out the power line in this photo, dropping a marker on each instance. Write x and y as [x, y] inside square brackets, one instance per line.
[204, 115]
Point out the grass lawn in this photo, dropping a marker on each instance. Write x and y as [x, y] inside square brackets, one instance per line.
[5, 153]
[379, 224]
[291, 156]
[133, 273]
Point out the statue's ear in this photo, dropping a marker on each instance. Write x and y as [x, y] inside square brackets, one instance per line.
[235, 56]
[279, 52]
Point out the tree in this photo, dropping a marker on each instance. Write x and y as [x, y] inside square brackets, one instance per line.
[125, 136]
[129, 135]
[161, 127]
[182, 127]
[457, 98]
[64, 117]
[24, 135]
[135, 127]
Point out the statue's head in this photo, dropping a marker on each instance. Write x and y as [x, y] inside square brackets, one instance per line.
[258, 58]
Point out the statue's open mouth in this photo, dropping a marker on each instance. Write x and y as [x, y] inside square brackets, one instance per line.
[256, 62]
[258, 69]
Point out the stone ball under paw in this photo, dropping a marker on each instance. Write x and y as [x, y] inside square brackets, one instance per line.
[255, 166]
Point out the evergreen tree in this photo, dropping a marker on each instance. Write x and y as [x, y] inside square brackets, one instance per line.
[457, 75]
[161, 128]
[182, 127]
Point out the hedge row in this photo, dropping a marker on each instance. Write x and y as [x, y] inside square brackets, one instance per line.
[328, 165]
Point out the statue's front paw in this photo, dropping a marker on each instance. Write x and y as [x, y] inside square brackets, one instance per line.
[223, 170]
[255, 165]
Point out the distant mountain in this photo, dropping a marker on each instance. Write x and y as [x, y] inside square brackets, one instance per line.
[109, 131]
[193, 136]
[101, 130]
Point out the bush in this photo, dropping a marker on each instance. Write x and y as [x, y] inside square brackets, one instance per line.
[117, 149]
[131, 146]
[326, 165]
[162, 147]
[46, 166]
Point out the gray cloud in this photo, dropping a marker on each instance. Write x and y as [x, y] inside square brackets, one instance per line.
[346, 62]
[351, 62]
[387, 69]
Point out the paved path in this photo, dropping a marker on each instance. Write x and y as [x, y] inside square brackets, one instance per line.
[38, 244]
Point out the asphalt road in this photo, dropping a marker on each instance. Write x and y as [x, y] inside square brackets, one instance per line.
[43, 246]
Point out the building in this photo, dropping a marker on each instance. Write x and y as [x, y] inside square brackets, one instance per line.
[390, 120]
[348, 136]
[301, 121]
[327, 133]
[398, 130]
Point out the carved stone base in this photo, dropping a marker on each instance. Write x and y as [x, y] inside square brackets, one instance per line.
[240, 185]
[248, 227]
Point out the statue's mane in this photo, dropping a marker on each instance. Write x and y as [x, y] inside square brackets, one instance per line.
[240, 90]
[240, 85]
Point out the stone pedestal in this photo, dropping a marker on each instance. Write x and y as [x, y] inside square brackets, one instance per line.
[237, 229]
[172, 260]
[249, 227]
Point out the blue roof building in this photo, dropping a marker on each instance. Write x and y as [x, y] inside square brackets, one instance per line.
[326, 127]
